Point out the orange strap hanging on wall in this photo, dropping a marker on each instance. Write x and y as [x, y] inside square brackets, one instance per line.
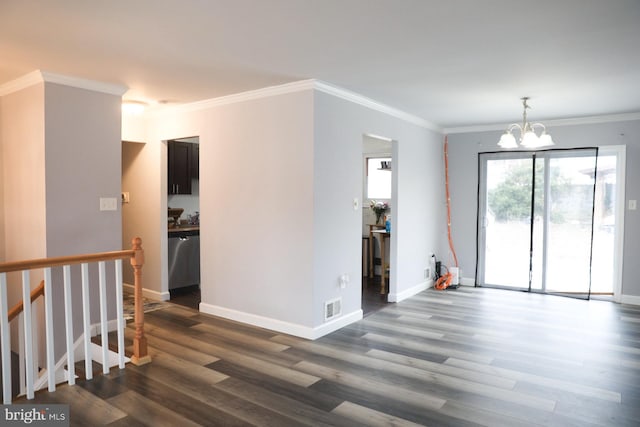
[445, 280]
[446, 183]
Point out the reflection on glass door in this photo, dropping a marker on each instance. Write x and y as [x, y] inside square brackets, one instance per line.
[539, 215]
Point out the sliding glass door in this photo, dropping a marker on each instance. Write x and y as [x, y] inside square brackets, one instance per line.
[536, 220]
[506, 220]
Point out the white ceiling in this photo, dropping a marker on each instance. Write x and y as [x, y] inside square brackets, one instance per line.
[453, 63]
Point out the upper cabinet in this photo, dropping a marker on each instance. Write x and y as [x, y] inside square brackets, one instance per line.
[195, 161]
[180, 162]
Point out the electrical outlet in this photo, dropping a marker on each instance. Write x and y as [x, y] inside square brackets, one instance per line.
[427, 273]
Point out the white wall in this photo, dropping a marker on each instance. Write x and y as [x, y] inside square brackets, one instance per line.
[463, 165]
[83, 164]
[2, 168]
[23, 145]
[416, 219]
[61, 153]
[278, 174]
[134, 213]
[23, 180]
[256, 204]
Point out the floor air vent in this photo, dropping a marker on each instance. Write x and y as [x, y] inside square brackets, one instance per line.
[332, 308]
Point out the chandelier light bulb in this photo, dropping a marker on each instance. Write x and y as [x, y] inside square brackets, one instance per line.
[528, 137]
[507, 140]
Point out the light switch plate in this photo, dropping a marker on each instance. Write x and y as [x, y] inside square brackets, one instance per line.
[356, 204]
[633, 204]
[108, 203]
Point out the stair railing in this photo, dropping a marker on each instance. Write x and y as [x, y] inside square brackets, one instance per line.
[140, 355]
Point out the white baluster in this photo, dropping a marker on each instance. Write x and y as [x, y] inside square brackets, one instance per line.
[28, 338]
[5, 337]
[21, 361]
[36, 308]
[86, 321]
[68, 323]
[48, 324]
[120, 313]
[103, 317]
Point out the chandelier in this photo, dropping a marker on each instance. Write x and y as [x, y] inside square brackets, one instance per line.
[528, 136]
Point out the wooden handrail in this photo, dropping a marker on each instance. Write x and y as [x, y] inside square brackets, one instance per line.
[135, 254]
[64, 260]
[17, 309]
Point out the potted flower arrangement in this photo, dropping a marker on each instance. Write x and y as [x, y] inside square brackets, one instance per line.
[379, 208]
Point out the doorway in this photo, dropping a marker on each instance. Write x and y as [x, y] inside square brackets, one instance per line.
[377, 167]
[183, 201]
[548, 221]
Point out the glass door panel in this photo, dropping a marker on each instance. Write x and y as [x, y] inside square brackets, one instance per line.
[569, 206]
[506, 222]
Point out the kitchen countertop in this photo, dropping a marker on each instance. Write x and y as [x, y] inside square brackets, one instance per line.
[184, 228]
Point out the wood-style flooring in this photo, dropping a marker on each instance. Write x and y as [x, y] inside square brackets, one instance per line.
[464, 357]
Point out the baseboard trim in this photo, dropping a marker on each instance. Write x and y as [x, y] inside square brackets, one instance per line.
[148, 293]
[467, 281]
[408, 293]
[279, 325]
[630, 299]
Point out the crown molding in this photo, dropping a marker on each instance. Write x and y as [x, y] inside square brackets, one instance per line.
[611, 118]
[239, 97]
[20, 83]
[375, 105]
[39, 76]
[108, 88]
[299, 86]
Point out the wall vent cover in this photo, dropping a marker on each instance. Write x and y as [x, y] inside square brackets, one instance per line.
[332, 308]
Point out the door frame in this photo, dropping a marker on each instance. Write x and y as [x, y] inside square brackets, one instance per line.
[619, 151]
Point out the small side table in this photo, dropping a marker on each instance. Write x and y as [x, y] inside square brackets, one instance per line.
[382, 235]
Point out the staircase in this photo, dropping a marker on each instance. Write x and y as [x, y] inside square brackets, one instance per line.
[35, 369]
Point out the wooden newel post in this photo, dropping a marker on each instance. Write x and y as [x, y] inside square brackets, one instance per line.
[140, 356]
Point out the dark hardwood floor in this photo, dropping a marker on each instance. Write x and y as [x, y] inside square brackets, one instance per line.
[464, 357]
[372, 300]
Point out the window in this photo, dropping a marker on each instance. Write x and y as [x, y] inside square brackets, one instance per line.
[378, 178]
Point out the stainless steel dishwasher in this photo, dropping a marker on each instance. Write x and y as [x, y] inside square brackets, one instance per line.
[184, 258]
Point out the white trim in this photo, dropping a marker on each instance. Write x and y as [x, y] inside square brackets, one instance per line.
[299, 86]
[334, 325]
[282, 326]
[620, 151]
[20, 83]
[408, 293]
[467, 281]
[630, 299]
[549, 123]
[374, 105]
[39, 76]
[250, 95]
[148, 293]
[108, 88]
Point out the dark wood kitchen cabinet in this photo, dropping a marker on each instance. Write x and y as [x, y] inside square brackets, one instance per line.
[195, 161]
[180, 162]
